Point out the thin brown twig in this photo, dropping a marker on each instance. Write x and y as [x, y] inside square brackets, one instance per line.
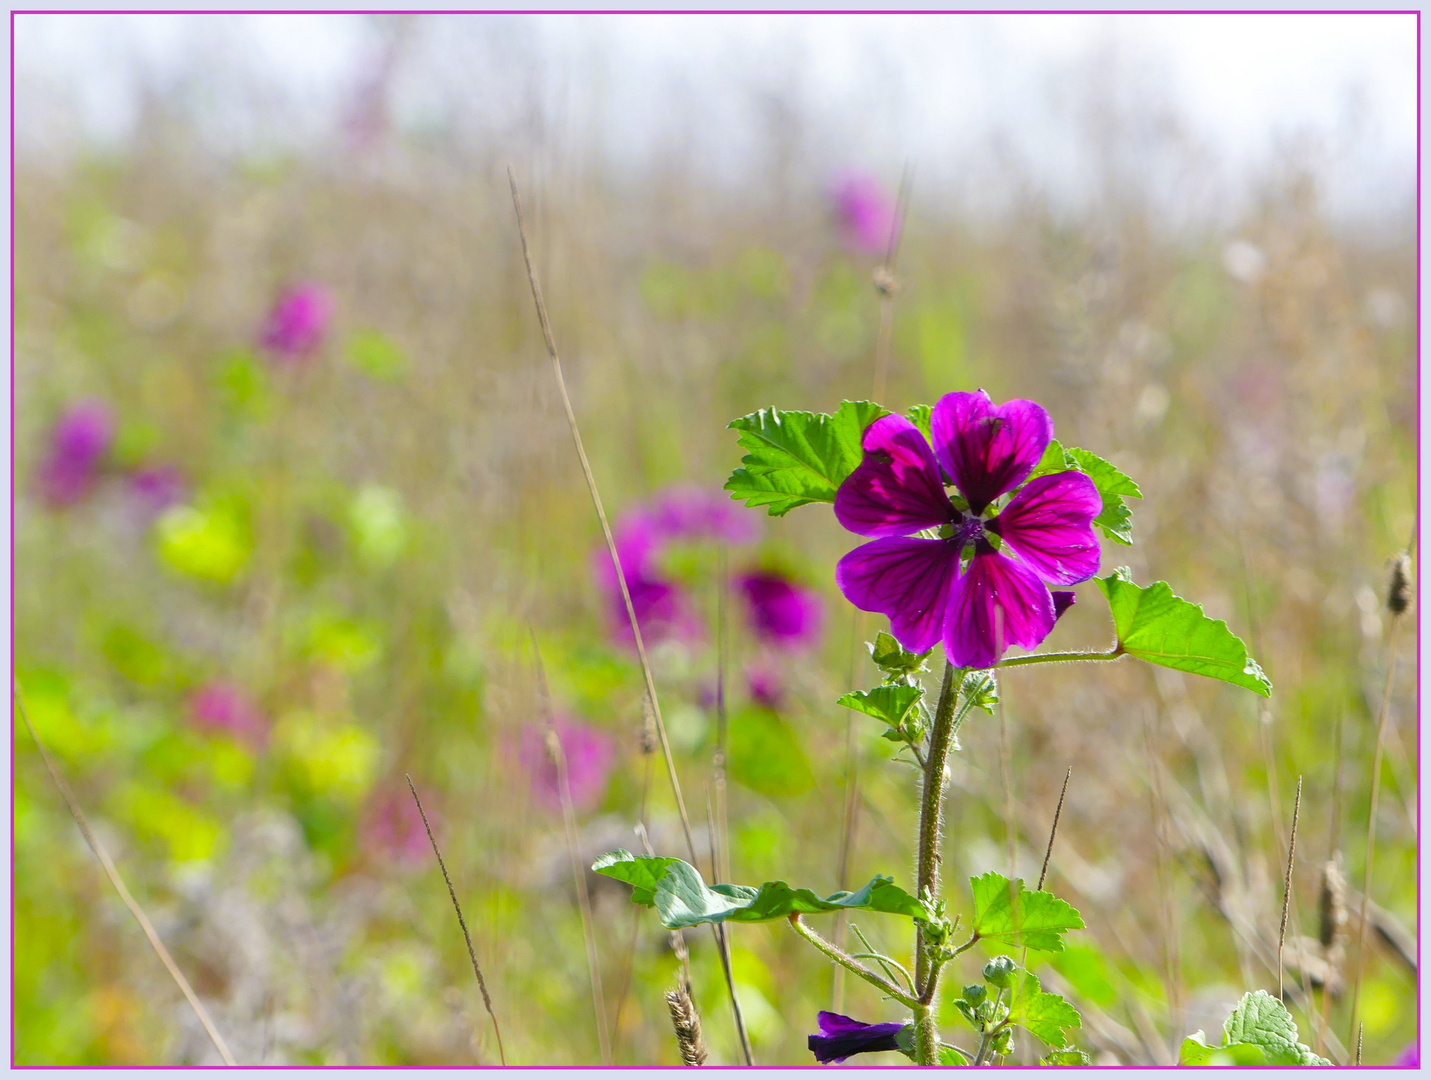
[888, 285]
[578, 875]
[467, 937]
[112, 872]
[616, 563]
[1287, 889]
[1053, 832]
[601, 516]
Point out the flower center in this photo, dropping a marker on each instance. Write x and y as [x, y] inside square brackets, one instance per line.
[968, 531]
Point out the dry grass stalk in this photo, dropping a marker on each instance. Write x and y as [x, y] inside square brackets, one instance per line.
[1287, 886]
[467, 937]
[112, 873]
[687, 1023]
[650, 680]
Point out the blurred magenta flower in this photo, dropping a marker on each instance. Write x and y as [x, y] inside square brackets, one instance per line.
[840, 1038]
[765, 685]
[662, 608]
[1409, 1058]
[392, 827]
[864, 213]
[221, 706]
[78, 443]
[157, 487]
[692, 513]
[782, 613]
[588, 753]
[298, 322]
[921, 584]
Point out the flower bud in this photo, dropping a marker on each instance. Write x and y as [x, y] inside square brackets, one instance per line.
[1398, 592]
[1000, 972]
[974, 993]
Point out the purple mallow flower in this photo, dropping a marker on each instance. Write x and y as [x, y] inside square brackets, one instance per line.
[864, 213]
[1409, 1058]
[782, 613]
[588, 755]
[222, 706]
[840, 1038]
[298, 322]
[80, 439]
[980, 608]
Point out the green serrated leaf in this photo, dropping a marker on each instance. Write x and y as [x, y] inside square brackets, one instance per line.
[920, 417]
[1260, 1031]
[682, 898]
[797, 458]
[1155, 625]
[1041, 1013]
[893, 658]
[891, 704]
[1004, 911]
[1054, 460]
[1067, 1056]
[1115, 519]
[950, 1057]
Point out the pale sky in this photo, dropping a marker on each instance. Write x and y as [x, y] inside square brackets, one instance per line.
[874, 89]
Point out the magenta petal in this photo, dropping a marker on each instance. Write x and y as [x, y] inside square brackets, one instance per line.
[896, 489]
[906, 578]
[1062, 601]
[988, 449]
[1049, 525]
[996, 603]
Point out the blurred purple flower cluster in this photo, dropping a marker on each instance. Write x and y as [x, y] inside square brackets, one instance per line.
[392, 828]
[784, 616]
[587, 752]
[79, 442]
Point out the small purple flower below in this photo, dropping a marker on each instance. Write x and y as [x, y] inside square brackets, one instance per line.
[588, 754]
[692, 513]
[864, 213]
[923, 584]
[222, 706]
[1409, 1058]
[78, 443]
[298, 322]
[840, 1038]
[781, 613]
[765, 685]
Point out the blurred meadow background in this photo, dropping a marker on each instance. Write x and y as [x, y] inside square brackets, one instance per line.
[296, 499]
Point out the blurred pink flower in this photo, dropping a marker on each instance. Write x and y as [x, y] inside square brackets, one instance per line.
[78, 442]
[157, 487]
[1409, 1058]
[298, 322]
[588, 753]
[864, 213]
[392, 827]
[782, 613]
[693, 513]
[222, 706]
[662, 608]
[766, 686]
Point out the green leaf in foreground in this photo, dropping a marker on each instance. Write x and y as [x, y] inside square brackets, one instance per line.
[1161, 628]
[1260, 1031]
[797, 458]
[682, 898]
[1041, 1013]
[892, 704]
[1006, 912]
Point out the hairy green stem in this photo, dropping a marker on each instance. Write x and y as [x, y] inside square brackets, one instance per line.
[845, 960]
[931, 827]
[1060, 657]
